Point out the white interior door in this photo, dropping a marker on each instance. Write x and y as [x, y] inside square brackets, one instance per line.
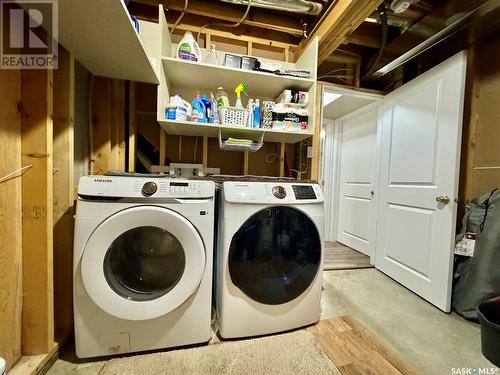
[358, 173]
[421, 137]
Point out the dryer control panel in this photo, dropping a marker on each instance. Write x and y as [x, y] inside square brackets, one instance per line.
[272, 193]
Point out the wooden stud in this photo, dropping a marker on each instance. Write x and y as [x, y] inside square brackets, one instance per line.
[205, 152]
[282, 159]
[163, 147]
[286, 54]
[37, 224]
[132, 128]
[208, 40]
[63, 194]
[249, 48]
[101, 125]
[316, 139]
[246, 156]
[353, 18]
[117, 125]
[245, 38]
[10, 217]
[179, 160]
[227, 13]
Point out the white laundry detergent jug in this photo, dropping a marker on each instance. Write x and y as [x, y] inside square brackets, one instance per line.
[178, 109]
[188, 49]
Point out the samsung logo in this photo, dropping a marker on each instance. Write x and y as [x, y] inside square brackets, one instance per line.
[102, 180]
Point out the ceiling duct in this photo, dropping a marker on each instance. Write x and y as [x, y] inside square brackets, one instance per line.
[457, 23]
[293, 6]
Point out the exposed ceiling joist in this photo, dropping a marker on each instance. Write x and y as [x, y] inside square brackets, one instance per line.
[367, 34]
[245, 37]
[226, 12]
[339, 21]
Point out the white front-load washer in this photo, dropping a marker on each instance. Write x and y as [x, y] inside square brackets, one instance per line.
[269, 257]
[143, 255]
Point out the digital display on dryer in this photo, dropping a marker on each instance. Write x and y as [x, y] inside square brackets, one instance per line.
[303, 192]
[179, 184]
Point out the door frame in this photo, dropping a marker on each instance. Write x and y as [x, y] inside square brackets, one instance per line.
[332, 153]
[339, 123]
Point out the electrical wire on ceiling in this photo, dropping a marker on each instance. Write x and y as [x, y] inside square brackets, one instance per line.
[181, 16]
[242, 19]
[346, 78]
[385, 31]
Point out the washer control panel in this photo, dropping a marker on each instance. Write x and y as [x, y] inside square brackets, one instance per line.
[144, 187]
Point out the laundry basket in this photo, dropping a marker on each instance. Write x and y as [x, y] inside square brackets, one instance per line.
[489, 317]
[233, 116]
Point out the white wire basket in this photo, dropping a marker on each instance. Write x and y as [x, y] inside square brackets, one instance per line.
[233, 116]
[251, 147]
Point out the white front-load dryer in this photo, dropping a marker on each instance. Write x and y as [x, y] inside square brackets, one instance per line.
[269, 257]
[143, 255]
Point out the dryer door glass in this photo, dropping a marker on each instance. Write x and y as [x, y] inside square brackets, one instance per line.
[275, 255]
[144, 263]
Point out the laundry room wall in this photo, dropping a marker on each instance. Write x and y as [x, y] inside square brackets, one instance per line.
[10, 217]
[480, 168]
[36, 200]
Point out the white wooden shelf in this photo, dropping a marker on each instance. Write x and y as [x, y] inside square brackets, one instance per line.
[197, 129]
[186, 74]
[102, 37]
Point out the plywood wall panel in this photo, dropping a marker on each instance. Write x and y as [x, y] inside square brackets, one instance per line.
[108, 125]
[480, 160]
[10, 218]
[101, 125]
[259, 166]
[229, 162]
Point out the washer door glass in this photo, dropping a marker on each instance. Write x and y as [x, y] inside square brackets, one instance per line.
[144, 263]
[275, 255]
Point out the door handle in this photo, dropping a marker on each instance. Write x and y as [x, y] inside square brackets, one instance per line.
[444, 199]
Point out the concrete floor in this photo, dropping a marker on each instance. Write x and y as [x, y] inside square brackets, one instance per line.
[432, 342]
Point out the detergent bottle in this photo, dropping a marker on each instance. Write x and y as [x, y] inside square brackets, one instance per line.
[207, 105]
[177, 109]
[222, 99]
[199, 109]
[188, 49]
[241, 88]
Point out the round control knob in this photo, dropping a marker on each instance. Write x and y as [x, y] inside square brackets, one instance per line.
[149, 188]
[279, 192]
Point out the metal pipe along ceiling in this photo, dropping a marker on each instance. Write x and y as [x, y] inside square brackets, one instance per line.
[294, 6]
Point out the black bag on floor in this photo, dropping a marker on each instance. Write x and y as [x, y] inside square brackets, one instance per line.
[477, 278]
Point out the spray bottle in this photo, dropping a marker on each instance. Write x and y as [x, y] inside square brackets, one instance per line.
[241, 88]
[256, 114]
[214, 113]
[250, 107]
